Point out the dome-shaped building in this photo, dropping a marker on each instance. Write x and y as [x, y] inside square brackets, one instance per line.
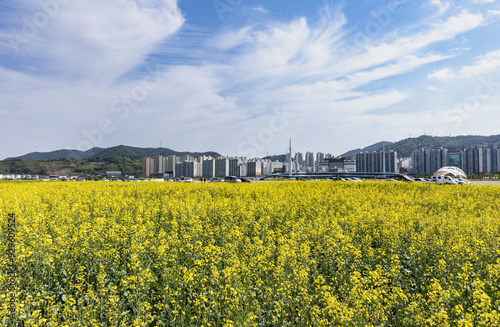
[454, 171]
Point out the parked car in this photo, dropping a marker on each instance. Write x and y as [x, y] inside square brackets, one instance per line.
[232, 179]
[444, 180]
[245, 180]
[186, 179]
[216, 180]
[462, 181]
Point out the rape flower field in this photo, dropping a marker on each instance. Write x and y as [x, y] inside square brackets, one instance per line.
[275, 254]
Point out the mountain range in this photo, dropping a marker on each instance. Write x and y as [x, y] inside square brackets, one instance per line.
[373, 147]
[120, 150]
[405, 147]
[128, 155]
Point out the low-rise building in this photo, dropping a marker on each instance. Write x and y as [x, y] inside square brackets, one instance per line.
[114, 174]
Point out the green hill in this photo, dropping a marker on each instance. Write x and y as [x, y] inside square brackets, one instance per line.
[372, 147]
[59, 154]
[95, 161]
[129, 151]
[452, 143]
[120, 150]
[405, 147]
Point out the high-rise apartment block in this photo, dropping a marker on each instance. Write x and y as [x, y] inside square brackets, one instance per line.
[428, 161]
[254, 168]
[222, 167]
[472, 160]
[319, 157]
[188, 169]
[148, 166]
[309, 162]
[208, 169]
[299, 161]
[477, 160]
[161, 164]
[235, 167]
[377, 162]
[496, 160]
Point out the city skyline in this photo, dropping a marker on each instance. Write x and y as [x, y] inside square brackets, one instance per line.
[242, 77]
[471, 160]
[422, 141]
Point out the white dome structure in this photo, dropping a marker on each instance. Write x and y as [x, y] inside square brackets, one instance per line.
[454, 171]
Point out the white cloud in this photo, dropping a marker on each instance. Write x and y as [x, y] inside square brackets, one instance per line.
[403, 46]
[405, 64]
[444, 73]
[483, 1]
[442, 5]
[261, 10]
[98, 40]
[233, 39]
[482, 65]
[308, 68]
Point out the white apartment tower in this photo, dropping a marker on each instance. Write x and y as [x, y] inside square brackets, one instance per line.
[161, 164]
[148, 166]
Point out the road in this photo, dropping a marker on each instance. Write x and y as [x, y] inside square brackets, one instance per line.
[486, 182]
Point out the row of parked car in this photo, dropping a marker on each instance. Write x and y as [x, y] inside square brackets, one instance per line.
[227, 179]
[234, 179]
[449, 180]
[345, 179]
[434, 179]
[439, 180]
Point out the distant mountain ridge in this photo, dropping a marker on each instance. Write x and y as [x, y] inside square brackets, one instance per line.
[452, 143]
[59, 154]
[373, 147]
[120, 150]
[405, 147]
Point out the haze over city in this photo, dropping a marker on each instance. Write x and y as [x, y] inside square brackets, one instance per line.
[241, 77]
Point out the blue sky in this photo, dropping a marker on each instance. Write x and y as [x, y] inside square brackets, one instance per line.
[241, 77]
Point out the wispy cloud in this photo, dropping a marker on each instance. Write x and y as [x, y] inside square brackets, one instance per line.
[442, 5]
[444, 73]
[404, 45]
[482, 65]
[261, 9]
[232, 39]
[94, 40]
